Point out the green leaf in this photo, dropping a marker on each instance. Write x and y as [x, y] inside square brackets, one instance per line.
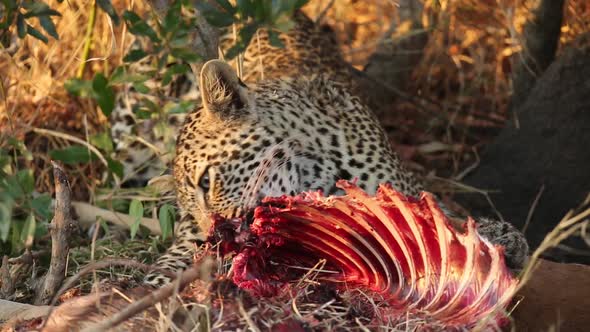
[183, 107]
[120, 75]
[135, 211]
[27, 234]
[185, 54]
[179, 40]
[140, 87]
[13, 187]
[78, 87]
[214, 16]
[173, 17]
[116, 167]
[39, 8]
[300, 3]
[102, 141]
[48, 26]
[142, 113]
[73, 154]
[135, 55]
[145, 109]
[246, 34]
[42, 205]
[175, 69]
[21, 26]
[246, 7]
[16, 227]
[10, 7]
[37, 34]
[20, 147]
[166, 216]
[5, 217]
[107, 7]
[139, 27]
[104, 94]
[26, 180]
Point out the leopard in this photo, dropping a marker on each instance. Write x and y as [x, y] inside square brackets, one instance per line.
[298, 126]
[145, 146]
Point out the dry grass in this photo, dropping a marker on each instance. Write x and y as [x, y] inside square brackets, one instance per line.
[32, 77]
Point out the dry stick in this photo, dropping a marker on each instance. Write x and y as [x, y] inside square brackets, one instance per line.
[7, 283]
[147, 301]
[27, 257]
[61, 228]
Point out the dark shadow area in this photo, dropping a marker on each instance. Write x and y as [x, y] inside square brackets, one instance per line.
[551, 149]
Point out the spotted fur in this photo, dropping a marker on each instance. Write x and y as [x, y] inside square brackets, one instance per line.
[300, 128]
[145, 146]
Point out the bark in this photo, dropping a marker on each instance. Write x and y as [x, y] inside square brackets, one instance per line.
[541, 37]
[61, 229]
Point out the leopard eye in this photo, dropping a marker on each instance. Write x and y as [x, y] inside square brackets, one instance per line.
[204, 181]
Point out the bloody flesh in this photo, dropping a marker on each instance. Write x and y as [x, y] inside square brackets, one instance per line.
[401, 251]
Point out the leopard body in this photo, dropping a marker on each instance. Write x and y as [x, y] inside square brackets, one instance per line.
[293, 124]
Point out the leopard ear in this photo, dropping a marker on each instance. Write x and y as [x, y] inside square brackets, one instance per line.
[223, 93]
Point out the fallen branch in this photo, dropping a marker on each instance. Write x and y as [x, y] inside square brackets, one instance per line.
[61, 228]
[13, 311]
[87, 214]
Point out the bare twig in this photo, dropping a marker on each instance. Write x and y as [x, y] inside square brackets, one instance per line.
[61, 228]
[27, 257]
